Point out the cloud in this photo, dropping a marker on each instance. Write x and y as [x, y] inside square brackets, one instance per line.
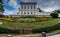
[13, 3]
[49, 9]
[31, 0]
[54, 5]
[7, 12]
[11, 7]
[46, 5]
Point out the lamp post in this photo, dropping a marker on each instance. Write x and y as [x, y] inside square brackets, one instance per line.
[43, 34]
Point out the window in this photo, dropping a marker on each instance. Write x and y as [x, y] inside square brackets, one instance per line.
[34, 7]
[28, 7]
[24, 7]
[31, 12]
[21, 7]
[17, 13]
[31, 7]
[21, 12]
[28, 12]
[34, 12]
[24, 12]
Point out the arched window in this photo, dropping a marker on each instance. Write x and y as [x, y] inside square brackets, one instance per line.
[31, 12]
[21, 12]
[17, 13]
[24, 12]
[28, 12]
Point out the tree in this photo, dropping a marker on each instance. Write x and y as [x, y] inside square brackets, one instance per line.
[58, 11]
[54, 15]
[40, 10]
[1, 8]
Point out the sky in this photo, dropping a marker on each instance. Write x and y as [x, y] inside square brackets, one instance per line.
[11, 6]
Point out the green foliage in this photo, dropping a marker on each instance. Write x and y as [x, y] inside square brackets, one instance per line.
[28, 22]
[40, 10]
[0, 1]
[58, 11]
[47, 28]
[31, 20]
[54, 15]
[1, 15]
[42, 19]
[9, 31]
[1, 6]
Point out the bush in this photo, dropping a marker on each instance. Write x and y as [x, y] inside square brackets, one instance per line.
[9, 31]
[54, 15]
[8, 19]
[31, 20]
[43, 19]
[46, 29]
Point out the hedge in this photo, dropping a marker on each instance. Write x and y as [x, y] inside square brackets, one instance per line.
[47, 28]
[9, 31]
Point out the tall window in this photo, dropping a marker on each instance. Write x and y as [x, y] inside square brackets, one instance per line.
[24, 12]
[28, 7]
[31, 7]
[34, 12]
[34, 7]
[21, 7]
[31, 12]
[24, 7]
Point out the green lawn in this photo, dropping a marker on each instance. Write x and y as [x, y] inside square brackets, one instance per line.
[13, 25]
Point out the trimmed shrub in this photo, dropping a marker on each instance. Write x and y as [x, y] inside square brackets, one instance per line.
[54, 15]
[9, 31]
[43, 19]
[46, 29]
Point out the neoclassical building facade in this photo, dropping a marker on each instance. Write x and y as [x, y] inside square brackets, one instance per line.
[30, 9]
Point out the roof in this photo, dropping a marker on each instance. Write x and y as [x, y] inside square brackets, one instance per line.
[28, 3]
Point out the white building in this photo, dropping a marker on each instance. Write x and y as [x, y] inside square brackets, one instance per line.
[30, 9]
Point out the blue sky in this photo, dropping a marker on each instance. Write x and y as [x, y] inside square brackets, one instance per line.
[11, 6]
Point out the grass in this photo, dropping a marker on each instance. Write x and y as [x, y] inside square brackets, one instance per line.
[15, 25]
[56, 31]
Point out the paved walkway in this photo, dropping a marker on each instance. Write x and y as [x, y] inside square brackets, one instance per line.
[30, 35]
[57, 35]
[36, 35]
